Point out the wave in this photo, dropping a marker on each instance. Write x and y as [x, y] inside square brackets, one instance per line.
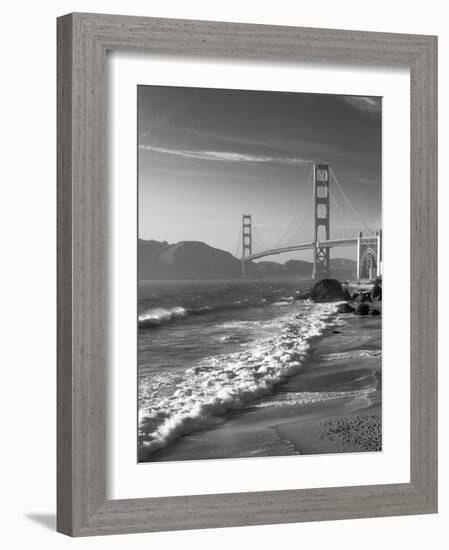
[308, 398]
[283, 303]
[158, 316]
[355, 354]
[229, 381]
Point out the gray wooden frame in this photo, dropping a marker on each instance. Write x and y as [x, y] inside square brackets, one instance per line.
[83, 40]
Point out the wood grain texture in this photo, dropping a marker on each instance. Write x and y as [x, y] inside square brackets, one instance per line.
[64, 277]
[83, 40]
[424, 277]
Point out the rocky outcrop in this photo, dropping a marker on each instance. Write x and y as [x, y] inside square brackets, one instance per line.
[345, 308]
[362, 297]
[376, 291]
[362, 309]
[327, 290]
[359, 303]
[346, 295]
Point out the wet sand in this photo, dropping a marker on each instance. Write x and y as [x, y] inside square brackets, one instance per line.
[332, 405]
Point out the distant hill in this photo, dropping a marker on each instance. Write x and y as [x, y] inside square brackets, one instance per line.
[291, 268]
[198, 260]
[185, 260]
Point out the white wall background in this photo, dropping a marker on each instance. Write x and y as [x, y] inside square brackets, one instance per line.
[27, 299]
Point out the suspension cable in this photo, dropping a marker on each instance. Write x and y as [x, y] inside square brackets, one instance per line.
[349, 202]
[336, 203]
[239, 238]
[259, 238]
[292, 221]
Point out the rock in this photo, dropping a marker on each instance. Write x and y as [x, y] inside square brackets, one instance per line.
[376, 291]
[362, 309]
[346, 295]
[375, 312]
[345, 308]
[363, 297]
[327, 290]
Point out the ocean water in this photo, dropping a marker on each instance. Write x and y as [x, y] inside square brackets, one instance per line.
[209, 348]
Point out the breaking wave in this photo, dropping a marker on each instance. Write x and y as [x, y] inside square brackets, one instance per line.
[355, 354]
[308, 398]
[229, 381]
[158, 316]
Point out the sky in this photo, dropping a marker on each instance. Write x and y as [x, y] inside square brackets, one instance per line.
[206, 156]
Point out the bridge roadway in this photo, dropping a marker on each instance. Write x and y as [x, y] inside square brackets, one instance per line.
[311, 245]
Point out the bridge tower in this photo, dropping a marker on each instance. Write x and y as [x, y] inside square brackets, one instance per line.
[247, 241]
[321, 218]
[369, 256]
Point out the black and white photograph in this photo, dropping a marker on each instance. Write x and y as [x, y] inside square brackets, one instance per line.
[259, 273]
[194, 235]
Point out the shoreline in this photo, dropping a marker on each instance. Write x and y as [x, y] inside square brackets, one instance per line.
[344, 365]
[340, 426]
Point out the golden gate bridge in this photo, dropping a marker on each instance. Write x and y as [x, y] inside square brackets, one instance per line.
[368, 245]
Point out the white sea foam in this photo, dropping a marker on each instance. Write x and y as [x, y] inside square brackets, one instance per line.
[248, 325]
[354, 354]
[159, 316]
[228, 381]
[307, 398]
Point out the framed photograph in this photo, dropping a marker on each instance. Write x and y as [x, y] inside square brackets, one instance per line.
[247, 274]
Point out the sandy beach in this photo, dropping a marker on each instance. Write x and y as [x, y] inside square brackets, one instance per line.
[342, 367]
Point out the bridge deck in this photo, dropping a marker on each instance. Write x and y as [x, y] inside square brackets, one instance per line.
[311, 245]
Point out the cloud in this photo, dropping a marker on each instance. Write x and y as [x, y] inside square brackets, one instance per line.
[365, 104]
[224, 156]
